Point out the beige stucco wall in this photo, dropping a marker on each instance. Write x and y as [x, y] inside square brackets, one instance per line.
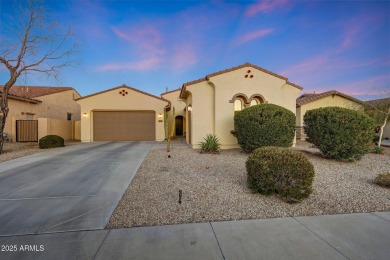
[189, 129]
[112, 101]
[54, 106]
[213, 113]
[329, 101]
[60, 127]
[179, 106]
[58, 105]
[77, 130]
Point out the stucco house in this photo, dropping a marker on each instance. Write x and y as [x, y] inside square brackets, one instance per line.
[36, 102]
[122, 114]
[211, 101]
[331, 98]
[202, 106]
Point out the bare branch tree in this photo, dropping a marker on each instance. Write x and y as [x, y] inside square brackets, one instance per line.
[380, 111]
[39, 46]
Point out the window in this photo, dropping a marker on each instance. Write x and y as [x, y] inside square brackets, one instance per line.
[254, 102]
[238, 104]
[69, 116]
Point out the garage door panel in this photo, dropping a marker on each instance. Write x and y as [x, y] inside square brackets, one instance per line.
[124, 126]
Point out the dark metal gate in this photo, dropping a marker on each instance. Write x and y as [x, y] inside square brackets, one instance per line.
[26, 130]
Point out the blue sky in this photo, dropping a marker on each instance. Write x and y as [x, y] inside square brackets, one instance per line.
[154, 45]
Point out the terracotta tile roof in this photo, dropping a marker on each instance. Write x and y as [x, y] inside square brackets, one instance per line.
[35, 91]
[379, 102]
[310, 97]
[25, 99]
[123, 86]
[236, 68]
[194, 82]
[170, 91]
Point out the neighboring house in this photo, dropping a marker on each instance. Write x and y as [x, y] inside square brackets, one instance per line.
[331, 98]
[211, 101]
[384, 102]
[33, 102]
[180, 113]
[122, 114]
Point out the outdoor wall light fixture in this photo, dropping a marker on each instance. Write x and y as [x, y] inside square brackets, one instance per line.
[189, 108]
[85, 115]
[160, 117]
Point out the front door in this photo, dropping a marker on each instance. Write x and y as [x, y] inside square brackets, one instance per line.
[179, 125]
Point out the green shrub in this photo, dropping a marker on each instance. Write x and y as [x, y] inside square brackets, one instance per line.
[378, 149]
[264, 125]
[375, 138]
[283, 171]
[339, 133]
[383, 180]
[51, 141]
[210, 144]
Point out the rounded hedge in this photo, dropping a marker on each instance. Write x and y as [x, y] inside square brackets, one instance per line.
[264, 125]
[51, 141]
[339, 133]
[282, 171]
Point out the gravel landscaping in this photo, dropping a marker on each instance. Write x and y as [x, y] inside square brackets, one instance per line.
[16, 150]
[214, 189]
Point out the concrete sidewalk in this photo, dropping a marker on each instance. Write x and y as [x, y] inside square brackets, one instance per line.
[348, 236]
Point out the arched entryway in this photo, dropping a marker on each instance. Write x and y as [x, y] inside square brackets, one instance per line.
[179, 126]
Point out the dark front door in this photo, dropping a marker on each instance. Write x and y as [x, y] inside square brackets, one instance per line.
[179, 125]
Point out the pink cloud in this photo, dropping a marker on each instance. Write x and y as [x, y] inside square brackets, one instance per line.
[326, 62]
[374, 86]
[184, 56]
[358, 29]
[311, 64]
[371, 86]
[350, 36]
[251, 36]
[145, 37]
[265, 6]
[147, 64]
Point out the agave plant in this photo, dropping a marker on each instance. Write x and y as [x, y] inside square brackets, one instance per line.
[210, 145]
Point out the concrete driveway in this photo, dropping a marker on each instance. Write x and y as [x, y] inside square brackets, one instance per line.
[72, 188]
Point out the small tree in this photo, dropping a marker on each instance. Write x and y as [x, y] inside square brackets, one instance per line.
[38, 46]
[380, 111]
[172, 131]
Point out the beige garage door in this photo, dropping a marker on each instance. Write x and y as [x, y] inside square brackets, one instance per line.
[124, 126]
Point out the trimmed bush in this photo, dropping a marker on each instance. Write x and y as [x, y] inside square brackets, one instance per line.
[383, 180]
[264, 125]
[210, 144]
[339, 133]
[51, 141]
[282, 171]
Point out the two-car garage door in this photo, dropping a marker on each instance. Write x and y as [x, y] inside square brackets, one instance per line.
[124, 126]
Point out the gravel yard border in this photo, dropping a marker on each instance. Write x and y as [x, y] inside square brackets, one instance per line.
[214, 189]
[20, 149]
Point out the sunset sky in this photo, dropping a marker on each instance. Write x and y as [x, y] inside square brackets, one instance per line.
[154, 45]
